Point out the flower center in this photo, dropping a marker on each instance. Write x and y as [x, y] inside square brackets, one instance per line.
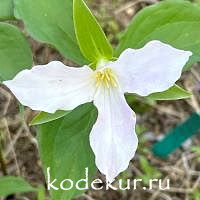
[106, 77]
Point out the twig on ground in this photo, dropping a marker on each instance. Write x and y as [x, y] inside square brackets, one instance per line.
[12, 147]
[197, 183]
[195, 74]
[132, 4]
[87, 197]
[13, 142]
[2, 160]
[187, 169]
[7, 102]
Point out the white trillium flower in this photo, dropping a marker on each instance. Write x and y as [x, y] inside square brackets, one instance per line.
[153, 68]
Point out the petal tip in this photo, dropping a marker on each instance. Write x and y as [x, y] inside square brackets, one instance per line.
[189, 53]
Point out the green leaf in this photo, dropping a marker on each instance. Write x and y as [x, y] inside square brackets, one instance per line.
[181, 37]
[15, 52]
[158, 21]
[11, 185]
[44, 117]
[51, 21]
[6, 10]
[91, 38]
[64, 147]
[41, 193]
[173, 93]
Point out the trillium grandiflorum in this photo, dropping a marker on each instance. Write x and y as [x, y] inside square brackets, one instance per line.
[153, 68]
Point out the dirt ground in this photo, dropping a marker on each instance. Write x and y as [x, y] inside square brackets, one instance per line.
[154, 120]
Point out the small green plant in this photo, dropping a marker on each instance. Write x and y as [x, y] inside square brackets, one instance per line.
[148, 171]
[196, 149]
[196, 195]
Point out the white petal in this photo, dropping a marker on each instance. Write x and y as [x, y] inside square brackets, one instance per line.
[53, 87]
[113, 137]
[153, 68]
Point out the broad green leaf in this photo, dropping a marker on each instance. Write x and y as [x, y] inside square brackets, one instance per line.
[64, 147]
[15, 52]
[181, 37]
[164, 21]
[44, 117]
[11, 185]
[6, 10]
[91, 38]
[51, 21]
[173, 93]
[151, 18]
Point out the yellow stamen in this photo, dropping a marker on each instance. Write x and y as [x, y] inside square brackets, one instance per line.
[106, 77]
